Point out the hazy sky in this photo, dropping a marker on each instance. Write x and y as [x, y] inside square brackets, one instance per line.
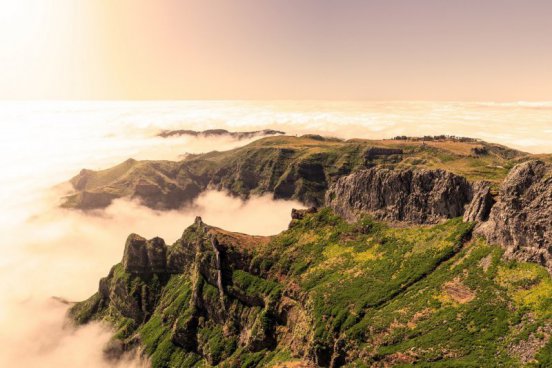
[276, 49]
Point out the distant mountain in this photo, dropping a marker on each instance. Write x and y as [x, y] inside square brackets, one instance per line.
[288, 167]
[220, 133]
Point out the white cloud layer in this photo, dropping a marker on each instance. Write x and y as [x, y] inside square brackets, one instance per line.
[46, 251]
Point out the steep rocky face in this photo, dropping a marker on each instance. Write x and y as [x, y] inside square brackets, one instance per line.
[517, 217]
[521, 219]
[415, 196]
[144, 256]
[203, 294]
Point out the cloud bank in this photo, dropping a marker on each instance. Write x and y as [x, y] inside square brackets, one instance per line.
[47, 251]
[51, 252]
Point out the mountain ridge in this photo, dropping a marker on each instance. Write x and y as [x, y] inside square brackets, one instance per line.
[317, 294]
[299, 168]
[219, 133]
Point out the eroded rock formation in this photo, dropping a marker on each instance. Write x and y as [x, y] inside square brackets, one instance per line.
[482, 201]
[209, 276]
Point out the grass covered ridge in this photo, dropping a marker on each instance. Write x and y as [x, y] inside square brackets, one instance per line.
[359, 295]
[289, 167]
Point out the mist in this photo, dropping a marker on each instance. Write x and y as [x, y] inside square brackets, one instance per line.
[48, 252]
[52, 257]
[64, 253]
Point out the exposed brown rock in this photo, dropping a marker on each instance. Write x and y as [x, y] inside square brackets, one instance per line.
[479, 151]
[458, 292]
[414, 196]
[299, 214]
[374, 152]
[135, 256]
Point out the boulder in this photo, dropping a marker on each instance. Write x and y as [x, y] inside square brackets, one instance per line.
[300, 214]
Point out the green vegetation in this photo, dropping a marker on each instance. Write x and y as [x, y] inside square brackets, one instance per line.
[360, 295]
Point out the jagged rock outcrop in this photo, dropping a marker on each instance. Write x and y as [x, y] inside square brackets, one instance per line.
[518, 217]
[521, 219]
[409, 195]
[144, 256]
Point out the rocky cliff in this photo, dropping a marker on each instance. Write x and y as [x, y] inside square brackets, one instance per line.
[200, 296]
[518, 216]
[287, 167]
[393, 181]
[299, 168]
[410, 195]
[341, 286]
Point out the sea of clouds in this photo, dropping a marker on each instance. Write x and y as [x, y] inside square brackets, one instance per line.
[51, 252]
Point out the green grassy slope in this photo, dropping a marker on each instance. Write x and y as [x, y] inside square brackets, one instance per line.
[330, 293]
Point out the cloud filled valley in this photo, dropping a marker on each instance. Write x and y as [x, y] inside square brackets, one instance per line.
[51, 255]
